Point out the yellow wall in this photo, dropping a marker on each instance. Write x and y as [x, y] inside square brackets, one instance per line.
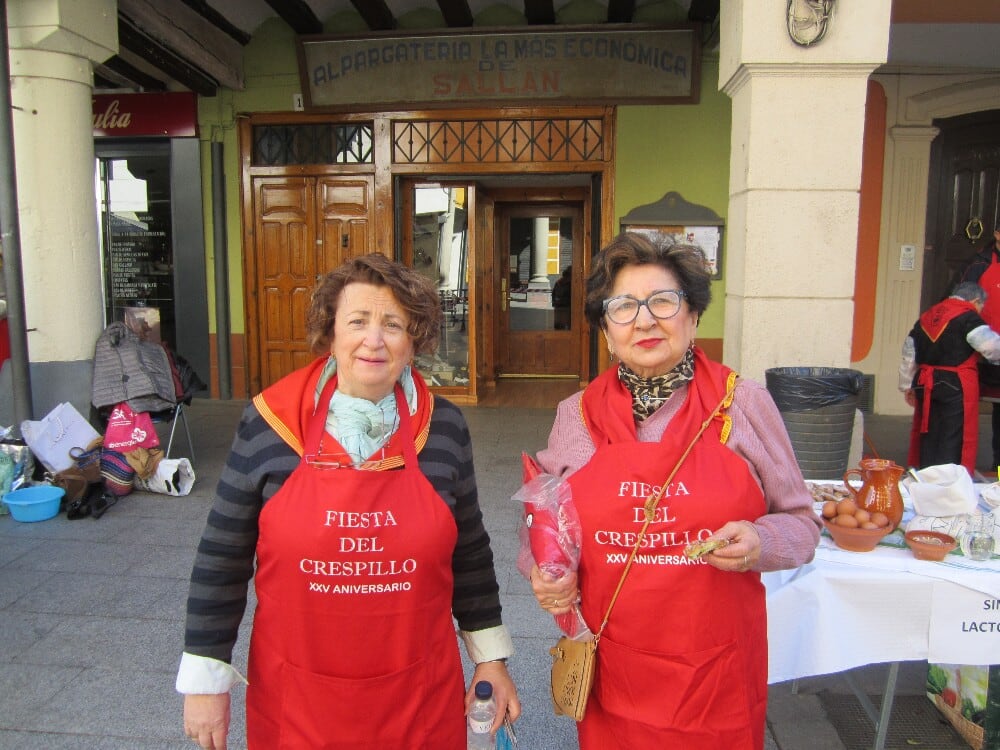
[682, 148]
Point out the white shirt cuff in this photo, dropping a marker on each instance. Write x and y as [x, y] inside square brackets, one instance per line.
[204, 675]
[488, 644]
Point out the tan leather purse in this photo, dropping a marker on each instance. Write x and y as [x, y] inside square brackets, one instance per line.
[574, 662]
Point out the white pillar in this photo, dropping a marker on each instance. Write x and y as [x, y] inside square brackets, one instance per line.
[52, 46]
[540, 254]
[795, 175]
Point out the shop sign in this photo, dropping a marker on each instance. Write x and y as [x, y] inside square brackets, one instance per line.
[570, 66]
[171, 115]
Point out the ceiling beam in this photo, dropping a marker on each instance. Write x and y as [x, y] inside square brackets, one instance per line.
[704, 11]
[456, 12]
[164, 59]
[298, 15]
[174, 26]
[213, 16]
[620, 11]
[375, 13]
[117, 69]
[539, 11]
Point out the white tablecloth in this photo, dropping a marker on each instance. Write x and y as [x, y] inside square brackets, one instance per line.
[848, 609]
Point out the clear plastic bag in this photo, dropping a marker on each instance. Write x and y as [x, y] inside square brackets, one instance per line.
[550, 537]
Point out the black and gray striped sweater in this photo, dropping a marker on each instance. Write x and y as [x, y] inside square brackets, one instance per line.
[259, 463]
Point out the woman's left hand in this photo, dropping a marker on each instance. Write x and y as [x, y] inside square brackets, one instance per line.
[504, 692]
[743, 550]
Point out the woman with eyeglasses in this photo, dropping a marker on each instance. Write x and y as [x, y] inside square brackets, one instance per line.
[350, 497]
[682, 662]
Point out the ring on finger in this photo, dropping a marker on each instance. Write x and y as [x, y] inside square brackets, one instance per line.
[746, 561]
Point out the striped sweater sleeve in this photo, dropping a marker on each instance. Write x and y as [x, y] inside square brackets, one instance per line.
[259, 463]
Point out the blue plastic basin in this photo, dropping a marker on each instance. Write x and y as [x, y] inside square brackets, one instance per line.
[37, 503]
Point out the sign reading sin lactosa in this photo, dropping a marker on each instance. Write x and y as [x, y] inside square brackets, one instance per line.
[170, 115]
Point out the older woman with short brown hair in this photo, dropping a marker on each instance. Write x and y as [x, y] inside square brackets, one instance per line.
[352, 489]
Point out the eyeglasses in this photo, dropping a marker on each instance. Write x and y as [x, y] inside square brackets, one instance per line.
[662, 305]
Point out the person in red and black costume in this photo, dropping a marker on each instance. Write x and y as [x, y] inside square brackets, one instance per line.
[938, 376]
[985, 271]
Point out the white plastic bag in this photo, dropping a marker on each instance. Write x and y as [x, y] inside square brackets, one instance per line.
[51, 438]
[174, 476]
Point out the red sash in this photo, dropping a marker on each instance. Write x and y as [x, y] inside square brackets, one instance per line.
[353, 645]
[683, 660]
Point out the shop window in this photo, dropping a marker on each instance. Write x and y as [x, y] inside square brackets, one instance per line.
[137, 243]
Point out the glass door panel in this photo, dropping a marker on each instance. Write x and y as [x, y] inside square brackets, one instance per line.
[439, 237]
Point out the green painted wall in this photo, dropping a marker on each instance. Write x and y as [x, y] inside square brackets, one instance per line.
[660, 148]
[682, 148]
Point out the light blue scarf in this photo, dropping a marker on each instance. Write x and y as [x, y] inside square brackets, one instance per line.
[359, 425]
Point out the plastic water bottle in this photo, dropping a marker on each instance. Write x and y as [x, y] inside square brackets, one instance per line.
[481, 716]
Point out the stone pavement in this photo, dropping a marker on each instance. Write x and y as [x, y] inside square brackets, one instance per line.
[92, 611]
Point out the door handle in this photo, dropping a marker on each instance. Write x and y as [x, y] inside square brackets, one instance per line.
[503, 295]
[975, 225]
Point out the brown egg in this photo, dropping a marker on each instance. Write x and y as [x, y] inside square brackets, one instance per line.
[829, 509]
[869, 525]
[880, 519]
[843, 519]
[862, 515]
[847, 507]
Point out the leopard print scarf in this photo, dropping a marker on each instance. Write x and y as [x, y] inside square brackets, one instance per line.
[649, 394]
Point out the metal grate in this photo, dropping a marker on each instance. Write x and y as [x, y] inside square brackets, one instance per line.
[915, 723]
[497, 141]
[866, 397]
[323, 143]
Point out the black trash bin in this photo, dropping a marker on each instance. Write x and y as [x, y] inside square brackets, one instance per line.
[817, 405]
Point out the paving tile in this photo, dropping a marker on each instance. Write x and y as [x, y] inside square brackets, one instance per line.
[109, 644]
[22, 630]
[105, 595]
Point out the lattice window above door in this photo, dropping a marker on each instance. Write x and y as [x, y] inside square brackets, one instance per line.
[497, 141]
[321, 143]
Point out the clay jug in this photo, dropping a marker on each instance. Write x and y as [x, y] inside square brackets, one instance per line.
[879, 489]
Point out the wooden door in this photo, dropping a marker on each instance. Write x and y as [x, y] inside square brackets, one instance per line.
[539, 295]
[304, 227]
[963, 199]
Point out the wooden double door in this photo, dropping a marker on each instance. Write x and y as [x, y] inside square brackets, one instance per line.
[303, 227]
[518, 308]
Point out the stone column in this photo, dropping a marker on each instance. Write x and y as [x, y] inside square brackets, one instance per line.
[795, 174]
[540, 254]
[53, 44]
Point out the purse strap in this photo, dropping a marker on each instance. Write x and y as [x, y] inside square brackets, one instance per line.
[650, 507]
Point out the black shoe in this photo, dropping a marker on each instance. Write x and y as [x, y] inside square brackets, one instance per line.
[102, 503]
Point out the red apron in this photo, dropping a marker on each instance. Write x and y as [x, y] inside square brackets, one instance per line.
[934, 322]
[990, 282]
[683, 661]
[353, 644]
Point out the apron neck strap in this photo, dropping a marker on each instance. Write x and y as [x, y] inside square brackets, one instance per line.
[317, 423]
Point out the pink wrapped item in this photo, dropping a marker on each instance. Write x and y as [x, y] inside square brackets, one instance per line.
[550, 535]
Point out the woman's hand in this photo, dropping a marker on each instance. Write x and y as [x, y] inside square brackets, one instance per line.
[504, 692]
[743, 550]
[555, 595]
[206, 719]
[910, 397]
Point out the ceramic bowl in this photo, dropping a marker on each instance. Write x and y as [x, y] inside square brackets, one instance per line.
[930, 545]
[853, 539]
